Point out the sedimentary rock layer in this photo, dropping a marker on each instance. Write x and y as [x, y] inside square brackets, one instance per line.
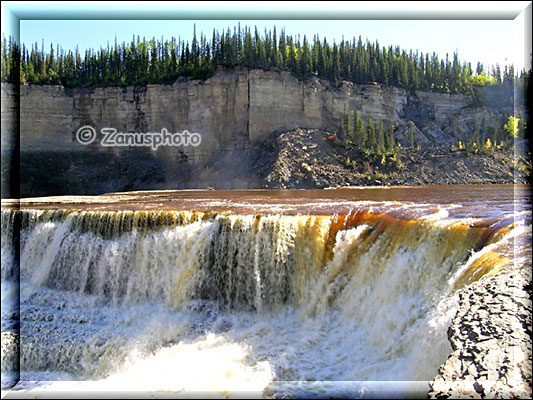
[234, 108]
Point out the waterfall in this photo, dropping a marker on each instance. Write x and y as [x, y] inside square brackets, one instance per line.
[350, 297]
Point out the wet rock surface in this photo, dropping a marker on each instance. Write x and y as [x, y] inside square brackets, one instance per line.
[491, 341]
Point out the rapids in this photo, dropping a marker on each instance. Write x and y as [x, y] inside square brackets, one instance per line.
[236, 301]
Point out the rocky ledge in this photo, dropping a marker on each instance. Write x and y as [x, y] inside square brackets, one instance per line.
[491, 341]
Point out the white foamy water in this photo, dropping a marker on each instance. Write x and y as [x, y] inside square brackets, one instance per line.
[180, 303]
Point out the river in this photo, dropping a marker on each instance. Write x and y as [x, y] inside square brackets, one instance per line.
[319, 293]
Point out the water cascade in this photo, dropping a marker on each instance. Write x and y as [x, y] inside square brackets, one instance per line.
[242, 300]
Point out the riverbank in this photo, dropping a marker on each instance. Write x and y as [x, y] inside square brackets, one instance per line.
[297, 159]
[307, 159]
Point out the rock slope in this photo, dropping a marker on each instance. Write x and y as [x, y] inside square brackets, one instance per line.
[491, 341]
[298, 159]
[306, 159]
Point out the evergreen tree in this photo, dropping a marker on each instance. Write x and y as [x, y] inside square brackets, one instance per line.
[483, 134]
[6, 56]
[356, 128]
[359, 131]
[492, 134]
[292, 64]
[371, 136]
[346, 125]
[283, 48]
[158, 61]
[390, 143]
[479, 68]
[380, 138]
[476, 137]
[305, 60]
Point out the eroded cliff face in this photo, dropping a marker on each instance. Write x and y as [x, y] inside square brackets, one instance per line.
[232, 111]
[234, 108]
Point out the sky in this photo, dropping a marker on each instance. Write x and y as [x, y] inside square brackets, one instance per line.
[488, 41]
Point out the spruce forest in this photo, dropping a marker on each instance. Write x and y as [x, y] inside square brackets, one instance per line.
[142, 62]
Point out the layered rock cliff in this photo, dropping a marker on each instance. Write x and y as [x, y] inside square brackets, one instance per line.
[232, 111]
[235, 107]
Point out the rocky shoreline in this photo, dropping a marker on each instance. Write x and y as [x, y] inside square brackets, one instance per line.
[491, 341]
[306, 159]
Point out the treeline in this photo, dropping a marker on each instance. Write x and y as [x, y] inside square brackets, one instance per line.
[153, 61]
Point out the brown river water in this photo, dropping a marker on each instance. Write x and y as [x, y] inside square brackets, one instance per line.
[480, 199]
